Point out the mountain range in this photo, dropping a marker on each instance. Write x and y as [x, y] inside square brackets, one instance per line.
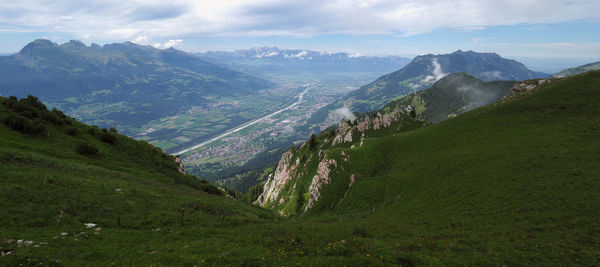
[513, 182]
[124, 84]
[422, 72]
[272, 62]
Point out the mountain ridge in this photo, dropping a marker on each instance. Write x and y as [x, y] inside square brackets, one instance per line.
[139, 83]
[276, 63]
[422, 72]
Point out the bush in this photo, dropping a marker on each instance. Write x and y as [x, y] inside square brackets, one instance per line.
[112, 130]
[52, 117]
[312, 142]
[254, 192]
[299, 199]
[92, 130]
[86, 149]
[59, 113]
[211, 189]
[108, 138]
[72, 131]
[23, 125]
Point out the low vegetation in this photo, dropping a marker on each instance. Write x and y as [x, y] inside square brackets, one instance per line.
[512, 183]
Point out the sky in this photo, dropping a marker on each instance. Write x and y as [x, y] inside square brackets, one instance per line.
[544, 34]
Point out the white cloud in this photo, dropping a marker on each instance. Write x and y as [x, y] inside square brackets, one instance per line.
[436, 72]
[143, 40]
[340, 114]
[168, 44]
[155, 19]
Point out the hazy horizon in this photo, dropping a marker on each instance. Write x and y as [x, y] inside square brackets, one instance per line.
[543, 64]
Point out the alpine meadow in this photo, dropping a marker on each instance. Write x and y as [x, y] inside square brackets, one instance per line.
[300, 133]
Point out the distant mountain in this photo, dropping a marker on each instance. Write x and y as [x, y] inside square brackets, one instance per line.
[422, 72]
[121, 83]
[295, 63]
[452, 95]
[577, 70]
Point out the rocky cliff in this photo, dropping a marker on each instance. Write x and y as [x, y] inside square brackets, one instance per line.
[303, 173]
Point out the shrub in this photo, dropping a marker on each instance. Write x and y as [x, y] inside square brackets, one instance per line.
[23, 124]
[312, 143]
[112, 130]
[300, 198]
[108, 138]
[86, 149]
[72, 131]
[59, 113]
[52, 117]
[254, 192]
[34, 102]
[211, 189]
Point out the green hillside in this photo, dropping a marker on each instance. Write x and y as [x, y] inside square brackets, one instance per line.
[452, 95]
[577, 70]
[124, 85]
[512, 183]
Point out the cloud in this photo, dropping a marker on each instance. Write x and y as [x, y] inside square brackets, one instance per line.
[168, 44]
[157, 20]
[477, 97]
[340, 114]
[287, 130]
[437, 72]
[143, 40]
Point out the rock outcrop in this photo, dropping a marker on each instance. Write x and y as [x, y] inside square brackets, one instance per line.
[527, 85]
[344, 133]
[284, 183]
[363, 125]
[320, 179]
[277, 181]
[181, 168]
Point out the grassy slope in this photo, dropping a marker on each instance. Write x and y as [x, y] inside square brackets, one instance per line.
[518, 182]
[508, 184]
[578, 70]
[42, 175]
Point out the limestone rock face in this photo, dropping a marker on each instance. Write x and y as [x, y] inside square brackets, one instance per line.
[344, 134]
[348, 137]
[322, 178]
[278, 180]
[391, 117]
[378, 121]
[181, 168]
[363, 125]
[527, 85]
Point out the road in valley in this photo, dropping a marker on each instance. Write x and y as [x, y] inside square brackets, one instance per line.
[247, 124]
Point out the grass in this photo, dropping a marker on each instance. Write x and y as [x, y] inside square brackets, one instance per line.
[512, 183]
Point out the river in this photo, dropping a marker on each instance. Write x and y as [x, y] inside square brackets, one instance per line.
[247, 124]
